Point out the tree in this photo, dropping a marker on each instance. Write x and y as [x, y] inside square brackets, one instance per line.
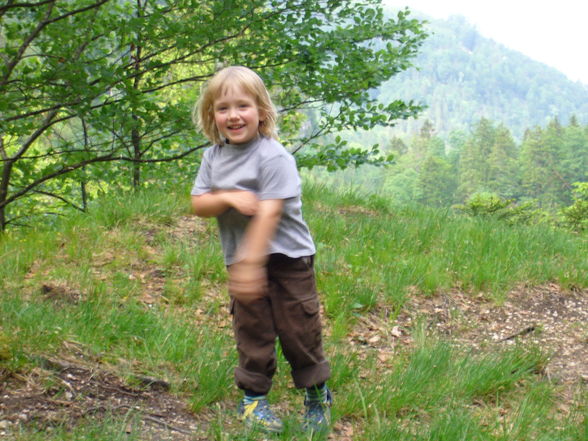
[541, 166]
[437, 182]
[88, 85]
[503, 165]
[474, 168]
[397, 146]
[574, 152]
[576, 215]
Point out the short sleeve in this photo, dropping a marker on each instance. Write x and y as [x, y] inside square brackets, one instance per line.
[202, 184]
[279, 178]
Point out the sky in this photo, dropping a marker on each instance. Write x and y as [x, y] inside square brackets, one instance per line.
[553, 32]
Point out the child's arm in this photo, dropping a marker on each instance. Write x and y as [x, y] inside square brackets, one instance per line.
[217, 202]
[247, 277]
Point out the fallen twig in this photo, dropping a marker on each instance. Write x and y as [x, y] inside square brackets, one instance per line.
[525, 331]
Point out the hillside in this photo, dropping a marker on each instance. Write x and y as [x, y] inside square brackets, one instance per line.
[463, 76]
[114, 326]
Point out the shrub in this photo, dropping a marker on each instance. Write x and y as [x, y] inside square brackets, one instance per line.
[576, 215]
[491, 205]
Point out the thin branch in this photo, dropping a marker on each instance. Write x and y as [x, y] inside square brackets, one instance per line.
[173, 83]
[3, 153]
[307, 140]
[17, 224]
[44, 126]
[10, 67]
[315, 135]
[11, 5]
[167, 135]
[50, 154]
[106, 158]
[299, 105]
[56, 196]
[86, 138]
[78, 11]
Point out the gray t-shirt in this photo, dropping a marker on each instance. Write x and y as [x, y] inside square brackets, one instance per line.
[264, 167]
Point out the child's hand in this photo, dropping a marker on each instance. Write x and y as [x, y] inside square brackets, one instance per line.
[245, 202]
[247, 281]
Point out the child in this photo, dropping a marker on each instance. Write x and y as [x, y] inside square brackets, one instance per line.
[250, 183]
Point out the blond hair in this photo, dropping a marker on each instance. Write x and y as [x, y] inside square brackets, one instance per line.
[250, 83]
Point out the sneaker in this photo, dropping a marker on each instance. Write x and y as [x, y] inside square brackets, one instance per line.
[317, 417]
[258, 414]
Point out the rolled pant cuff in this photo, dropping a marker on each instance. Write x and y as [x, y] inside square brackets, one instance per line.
[252, 381]
[311, 375]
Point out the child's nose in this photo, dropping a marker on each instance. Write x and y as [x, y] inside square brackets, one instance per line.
[232, 113]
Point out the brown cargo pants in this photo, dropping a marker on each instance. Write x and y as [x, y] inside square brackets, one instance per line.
[290, 312]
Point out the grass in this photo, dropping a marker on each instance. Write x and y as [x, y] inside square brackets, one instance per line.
[432, 251]
[109, 428]
[140, 287]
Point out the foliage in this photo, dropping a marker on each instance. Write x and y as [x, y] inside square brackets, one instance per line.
[491, 205]
[338, 156]
[488, 162]
[576, 215]
[428, 169]
[96, 93]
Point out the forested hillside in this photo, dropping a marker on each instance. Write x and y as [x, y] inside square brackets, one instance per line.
[463, 77]
[485, 170]
[501, 132]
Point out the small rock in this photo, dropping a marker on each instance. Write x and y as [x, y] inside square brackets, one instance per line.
[396, 332]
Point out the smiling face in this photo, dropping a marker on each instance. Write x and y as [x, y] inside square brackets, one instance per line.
[237, 116]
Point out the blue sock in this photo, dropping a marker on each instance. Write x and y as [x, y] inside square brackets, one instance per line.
[248, 399]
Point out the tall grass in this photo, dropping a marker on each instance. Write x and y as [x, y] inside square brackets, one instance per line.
[382, 254]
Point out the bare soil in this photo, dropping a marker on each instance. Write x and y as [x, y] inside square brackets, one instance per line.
[554, 320]
[61, 392]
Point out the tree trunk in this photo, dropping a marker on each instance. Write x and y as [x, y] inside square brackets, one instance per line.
[4, 181]
[84, 195]
[135, 135]
[136, 141]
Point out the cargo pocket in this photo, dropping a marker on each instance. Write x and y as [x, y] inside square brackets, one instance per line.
[310, 323]
[311, 307]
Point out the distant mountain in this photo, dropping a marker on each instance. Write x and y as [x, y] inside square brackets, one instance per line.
[463, 76]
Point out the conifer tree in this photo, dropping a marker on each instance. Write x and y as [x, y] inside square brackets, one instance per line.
[574, 152]
[503, 165]
[437, 182]
[474, 167]
[540, 175]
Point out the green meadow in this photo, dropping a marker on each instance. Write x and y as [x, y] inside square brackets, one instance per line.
[137, 286]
